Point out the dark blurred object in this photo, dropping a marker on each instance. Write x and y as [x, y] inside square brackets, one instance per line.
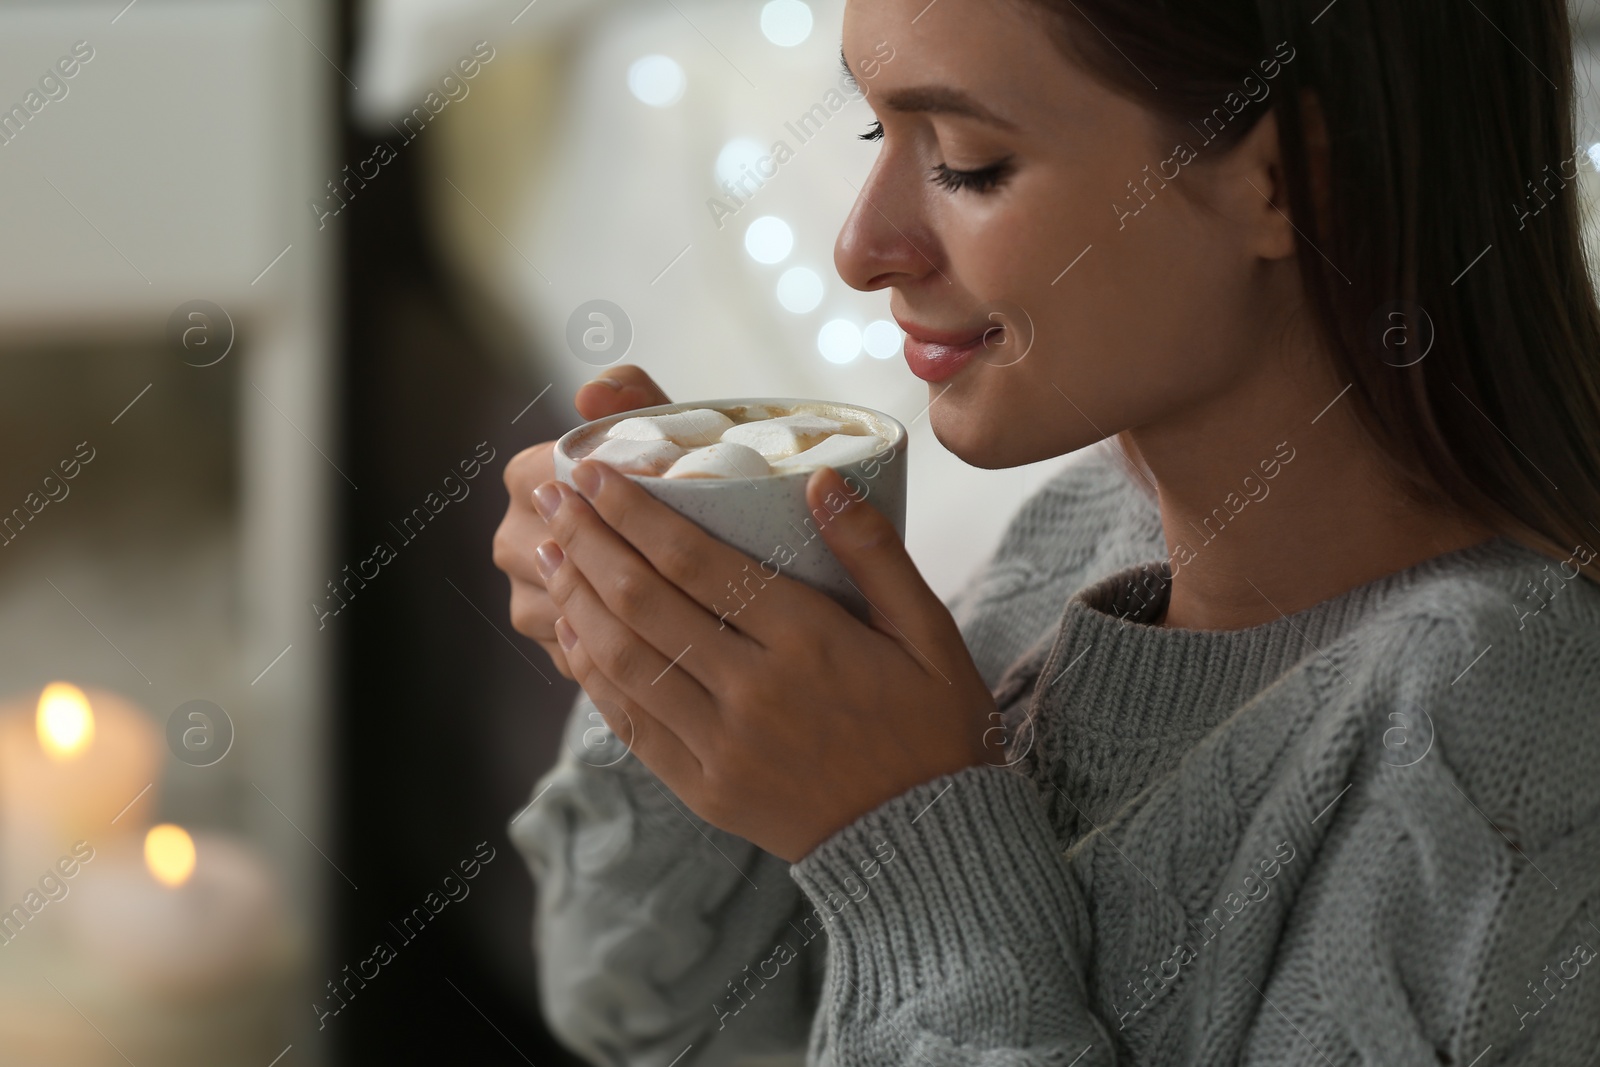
[445, 716]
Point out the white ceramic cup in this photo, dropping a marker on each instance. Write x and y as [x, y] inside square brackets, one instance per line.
[767, 517]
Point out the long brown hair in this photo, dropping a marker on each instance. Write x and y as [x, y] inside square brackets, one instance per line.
[1451, 201]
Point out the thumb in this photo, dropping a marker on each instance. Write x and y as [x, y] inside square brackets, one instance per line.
[623, 388]
[903, 607]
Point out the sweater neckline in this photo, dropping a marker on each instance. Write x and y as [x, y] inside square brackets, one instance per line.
[1111, 672]
[1137, 595]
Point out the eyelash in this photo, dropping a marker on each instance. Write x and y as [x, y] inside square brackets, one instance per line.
[977, 181]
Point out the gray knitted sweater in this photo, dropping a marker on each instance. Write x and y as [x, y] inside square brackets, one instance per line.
[1366, 833]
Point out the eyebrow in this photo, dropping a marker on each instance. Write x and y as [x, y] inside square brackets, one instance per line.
[933, 100]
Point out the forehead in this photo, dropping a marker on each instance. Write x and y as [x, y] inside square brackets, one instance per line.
[997, 52]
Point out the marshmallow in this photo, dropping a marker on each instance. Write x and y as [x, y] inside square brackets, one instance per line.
[725, 459]
[649, 458]
[689, 429]
[837, 451]
[783, 436]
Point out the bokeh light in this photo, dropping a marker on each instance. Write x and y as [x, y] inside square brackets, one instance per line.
[839, 341]
[169, 854]
[882, 339]
[800, 290]
[64, 721]
[657, 80]
[736, 155]
[769, 240]
[786, 22]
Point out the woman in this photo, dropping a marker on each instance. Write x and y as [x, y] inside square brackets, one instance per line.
[1270, 733]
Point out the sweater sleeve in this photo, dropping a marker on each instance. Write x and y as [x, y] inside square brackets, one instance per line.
[655, 932]
[957, 934]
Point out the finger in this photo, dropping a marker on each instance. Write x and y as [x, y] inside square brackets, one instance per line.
[515, 539]
[863, 539]
[645, 674]
[521, 529]
[533, 615]
[558, 659]
[623, 388]
[733, 589]
[527, 469]
[652, 743]
[645, 600]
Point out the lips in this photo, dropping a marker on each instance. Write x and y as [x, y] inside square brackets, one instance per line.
[936, 355]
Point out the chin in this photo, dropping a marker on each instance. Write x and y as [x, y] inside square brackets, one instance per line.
[991, 444]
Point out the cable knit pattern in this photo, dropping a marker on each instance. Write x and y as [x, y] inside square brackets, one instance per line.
[1366, 833]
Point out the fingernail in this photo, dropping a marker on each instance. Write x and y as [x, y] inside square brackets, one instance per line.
[548, 557]
[586, 476]
[609, 383]
[565, 634]
[546, 500]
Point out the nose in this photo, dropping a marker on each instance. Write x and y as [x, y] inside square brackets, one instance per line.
[886, 240]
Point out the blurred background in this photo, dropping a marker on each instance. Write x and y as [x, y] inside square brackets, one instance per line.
[273, 271]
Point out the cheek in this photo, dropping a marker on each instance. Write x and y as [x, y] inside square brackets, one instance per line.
[1003, 255]
[1002, 246]
[1176, 297]
[1128, 325]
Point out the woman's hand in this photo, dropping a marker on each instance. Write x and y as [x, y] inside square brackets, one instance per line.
[788, 720]
[522, 529]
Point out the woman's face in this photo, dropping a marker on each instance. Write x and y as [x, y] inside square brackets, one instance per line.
[1015, 226]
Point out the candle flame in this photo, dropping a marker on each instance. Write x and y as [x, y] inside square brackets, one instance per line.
[169, 853]
[65, 723]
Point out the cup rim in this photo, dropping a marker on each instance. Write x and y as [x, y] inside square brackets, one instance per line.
[900, 434]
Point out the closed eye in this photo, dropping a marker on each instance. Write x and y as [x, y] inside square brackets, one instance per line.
[978, 181]
[983, 180]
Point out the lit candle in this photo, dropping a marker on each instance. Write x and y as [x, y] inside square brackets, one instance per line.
[191, 913]
[75, 765]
